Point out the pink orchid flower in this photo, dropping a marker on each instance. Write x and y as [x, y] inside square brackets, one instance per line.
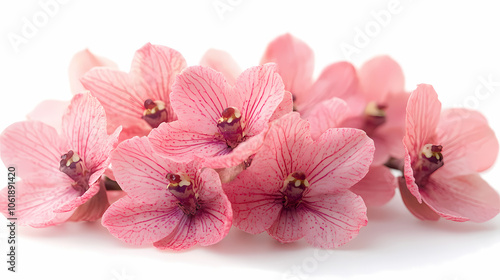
[378, 108]
[139, 100]
[444, 152]
[379, 185]
[220, 123]
[297, 187]
[375, 93]
[60, 172]
[172, 205]
[295, 61]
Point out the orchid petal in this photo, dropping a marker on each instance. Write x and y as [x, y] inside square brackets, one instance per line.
[80, 64]
[461, 198]
[288, 226]
[262, 90]
[33, 147]
[84, 126]
[295, 61]
[223, 62]
[138, 222]
[377, 187]
[341, 157]
[333, 219]
[422, 118]
[469, 144]
[337, 80]
[379, 77]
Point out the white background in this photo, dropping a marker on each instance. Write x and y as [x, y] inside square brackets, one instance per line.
[450, 45]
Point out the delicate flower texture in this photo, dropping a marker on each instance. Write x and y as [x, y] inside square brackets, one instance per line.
[444, 152]
[220, 123]
[139, 100]
[297, 187]
[60, 173]
[379, 185]
[295, 61]
[380, 107]
[172, 205]
[80, 64]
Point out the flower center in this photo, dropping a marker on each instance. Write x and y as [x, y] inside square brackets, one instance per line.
[230, 126]
[181, 187]
[374, 117]
[430, 160]
[293, 189]
[72, 165]
[154, 112]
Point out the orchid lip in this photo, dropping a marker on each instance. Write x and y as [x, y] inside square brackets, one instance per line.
[430, 159]
[375, 116]
[230, 126]
[155, 112]
[72, 165]
[293, 189]
[182, 187]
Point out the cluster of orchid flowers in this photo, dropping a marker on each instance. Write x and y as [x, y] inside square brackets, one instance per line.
[174, 156]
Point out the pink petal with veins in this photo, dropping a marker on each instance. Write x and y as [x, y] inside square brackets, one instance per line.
[257, 194]
[285, 107]
[469, 144]
[84, 128]
[341, 157]
[141, 172]
[214, 219]
[36, 201]
[137, 222]
[33, 147]
[122, 95]
[79, 199]
[422, 118]
[116, 92]
[238, 154]
[149, 204]
[211, 222]
[333, 219]
[262, 91]
[92, 209]
[254, 195]
[199, 96]
[289, 226]
[180, 142]
[80, 64]
[154, 69]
